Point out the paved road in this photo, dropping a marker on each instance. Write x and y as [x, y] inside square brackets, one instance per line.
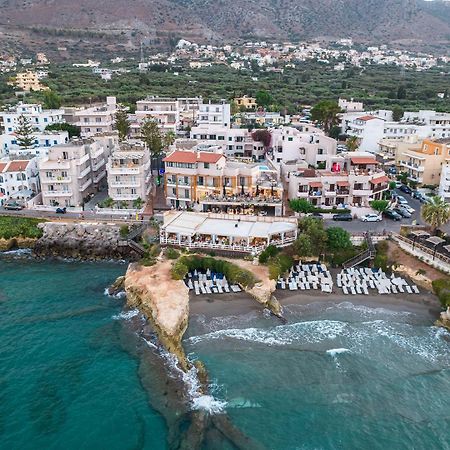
[357, 226]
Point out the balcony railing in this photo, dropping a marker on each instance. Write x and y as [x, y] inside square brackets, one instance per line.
[240, 199]
[56, 180]
[57, 193]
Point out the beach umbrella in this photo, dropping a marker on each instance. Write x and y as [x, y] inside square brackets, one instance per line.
[242, 189]
[257, 189]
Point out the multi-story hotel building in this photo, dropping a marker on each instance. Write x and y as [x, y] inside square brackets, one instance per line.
[165, 111]
[38, 117]
[72, 171]
[351, 179]
[424, 165]
[96, 119]
[129, 173]
[19, 179]
[210, 182]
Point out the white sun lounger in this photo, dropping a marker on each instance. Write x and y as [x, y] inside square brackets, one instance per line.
[352, 290]
[219, 289]
[400, 288]
[202, 288]
[408, 289]
[344, 289]
[366, 292]
[196, 288]
[394, 289]
[207, 289]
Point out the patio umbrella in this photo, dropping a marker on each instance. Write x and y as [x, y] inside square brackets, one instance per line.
[257, 189]
[242, 190]
[224, 192]
[271, 190]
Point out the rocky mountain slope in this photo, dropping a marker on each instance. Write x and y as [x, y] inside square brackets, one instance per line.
[160, 21]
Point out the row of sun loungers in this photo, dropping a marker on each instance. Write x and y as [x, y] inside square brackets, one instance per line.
[209, 283]
[306, 277]
[360, 280]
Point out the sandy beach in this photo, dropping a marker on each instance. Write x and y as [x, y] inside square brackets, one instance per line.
[424, 304]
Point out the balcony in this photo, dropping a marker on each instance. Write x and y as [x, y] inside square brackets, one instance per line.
[380, 188]
[343, 192]
[118, 197]
[315, 193]
[125, 183]
[100, 176]
[123, 170]
[362, 192]
[241, 199]
[84, 186]
[330, 193]
[83, 159]
[98, 165]
[84, 172]
[56, 180]
[302, 194]
[57, 193]
[414, 167]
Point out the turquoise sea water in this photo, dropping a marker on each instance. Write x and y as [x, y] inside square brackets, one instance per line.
[75, 374]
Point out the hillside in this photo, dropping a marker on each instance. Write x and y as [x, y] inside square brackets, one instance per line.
[31, 23]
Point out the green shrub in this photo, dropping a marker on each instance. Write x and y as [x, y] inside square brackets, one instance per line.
[441, 288]
[154, 250]
[269, 252]
[279, 265]
[171, 253]
[124, 231]
[148, 261]
[234, 273]
[13, 227]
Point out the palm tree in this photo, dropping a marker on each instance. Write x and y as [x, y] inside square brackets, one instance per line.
[352, 143]
[436, 213]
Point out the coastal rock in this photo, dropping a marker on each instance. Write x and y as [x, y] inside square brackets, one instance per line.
[164, 301]
[117, 287]
[82, 240]
[16, 243]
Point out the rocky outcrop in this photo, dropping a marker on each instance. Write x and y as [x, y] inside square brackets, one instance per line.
[444, 319]
[164, 301]
[16, 243]
[82, 240]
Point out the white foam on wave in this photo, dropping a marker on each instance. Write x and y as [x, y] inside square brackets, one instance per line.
[311, 331]
[121, 294]
[17, 252]
[126, 315]
[369, 311]
[197, 400]
[337, 351]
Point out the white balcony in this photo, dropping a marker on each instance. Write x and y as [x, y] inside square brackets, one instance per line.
[124, 170]
[57, 193]
[125, 183]
[126, 197]
[98, 165]
[85, 172]
[100, 176]
[362, 192]
[302, 194]
[84, 186]
[83, 159]
[56, 180]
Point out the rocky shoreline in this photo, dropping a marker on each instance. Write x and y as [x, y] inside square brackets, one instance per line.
[91, 241]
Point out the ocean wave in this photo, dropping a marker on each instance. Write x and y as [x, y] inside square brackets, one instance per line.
[126, 315]
[20, 252]
[370, 311]
[337, 351]
[312, 331]
[121, 294]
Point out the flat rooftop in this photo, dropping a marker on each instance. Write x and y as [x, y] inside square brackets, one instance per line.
[188, 224]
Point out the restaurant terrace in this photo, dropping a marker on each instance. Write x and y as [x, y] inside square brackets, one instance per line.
[241, 233]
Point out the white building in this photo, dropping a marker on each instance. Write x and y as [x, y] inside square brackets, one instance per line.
[129, 176]
[444, 185]
[38, 117]
[96, 119]
[165, 111]
[291, 144]
[72, 171]
[214, 114]
[43, 140]
[19, 179]
[350, 105]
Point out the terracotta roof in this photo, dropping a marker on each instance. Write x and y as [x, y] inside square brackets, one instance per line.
[315, 184]
[192, 157]
[380, 180]
[343, 183]
[2, 166]
[17, 166]
[363, 160]
[366, 118]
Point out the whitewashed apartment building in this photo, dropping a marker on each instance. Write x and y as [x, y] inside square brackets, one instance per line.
[129, 176]
[72, 171]
[43, 140]
[19, 179]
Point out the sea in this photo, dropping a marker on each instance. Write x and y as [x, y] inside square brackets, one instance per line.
[80, 371]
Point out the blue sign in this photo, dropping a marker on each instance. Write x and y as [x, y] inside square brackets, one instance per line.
[161, 171]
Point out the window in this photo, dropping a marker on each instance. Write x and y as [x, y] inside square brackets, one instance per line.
[206, 165]
[133, 191]
[201, 181]
[220, 138]
[48, 174]
[65, 155]
[290, 138]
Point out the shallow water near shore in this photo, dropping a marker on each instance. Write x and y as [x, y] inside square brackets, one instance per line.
[76, 371]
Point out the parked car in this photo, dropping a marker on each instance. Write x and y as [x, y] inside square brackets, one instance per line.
[393, 170]
[343, 217]
[316, 215]
[402, 212]
[405, 189]
[390, 214]
[371, 218]
[400, 199]
[61, 210]
[13, 206]
[398, 184]
[406, 208]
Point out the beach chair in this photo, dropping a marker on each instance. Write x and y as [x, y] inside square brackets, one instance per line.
[400, 288]
[208, 289]
[394, 289]
[358, 289]
[219, 289]
[190, 285]
[408, 289]
[366, 292]
[352, 290]
[226, 288]
[196, 288]
[345, 290]
[301, 286]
